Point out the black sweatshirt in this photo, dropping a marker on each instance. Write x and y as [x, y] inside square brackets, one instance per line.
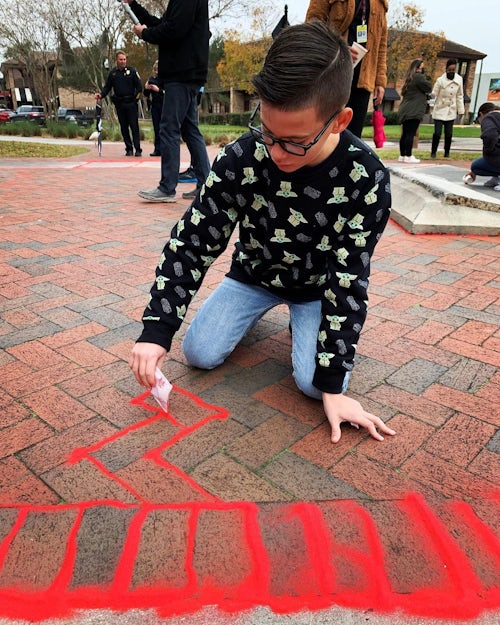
[307, 235]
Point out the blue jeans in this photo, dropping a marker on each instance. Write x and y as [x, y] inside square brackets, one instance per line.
[481, 167]
[233, 309]
[180, 117]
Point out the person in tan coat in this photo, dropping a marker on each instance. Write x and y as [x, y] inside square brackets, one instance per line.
[363, 22]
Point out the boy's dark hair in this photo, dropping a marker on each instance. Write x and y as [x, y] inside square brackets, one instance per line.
[487, 107]
[307, 65]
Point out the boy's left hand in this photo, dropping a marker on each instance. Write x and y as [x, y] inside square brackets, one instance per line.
[339, 408]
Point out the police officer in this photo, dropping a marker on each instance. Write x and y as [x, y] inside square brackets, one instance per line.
[126, 85]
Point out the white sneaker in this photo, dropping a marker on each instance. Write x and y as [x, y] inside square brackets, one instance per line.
[401, 159]
[411, 159]
[497, 188]
[492, 182]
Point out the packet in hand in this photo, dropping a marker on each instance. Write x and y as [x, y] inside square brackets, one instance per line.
[361, 50]
[161, 390]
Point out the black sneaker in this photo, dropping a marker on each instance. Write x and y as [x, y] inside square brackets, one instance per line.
[190, 195]
[129, 153]
[155, 153]
[138, 153]
[188, 176]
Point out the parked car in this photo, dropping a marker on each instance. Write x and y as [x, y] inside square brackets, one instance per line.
[75, 116]
[30, 113]
[5, 115]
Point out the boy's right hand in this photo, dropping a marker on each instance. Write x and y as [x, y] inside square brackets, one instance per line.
[143, 361]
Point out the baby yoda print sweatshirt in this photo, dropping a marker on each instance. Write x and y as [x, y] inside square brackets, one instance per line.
[307, 235]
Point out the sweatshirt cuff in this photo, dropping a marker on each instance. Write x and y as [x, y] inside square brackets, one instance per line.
[328, 380]
[157, 333]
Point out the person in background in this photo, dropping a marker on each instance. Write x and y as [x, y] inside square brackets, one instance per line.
[415, 91]
[182, 35]
[448, 95]
[154, 93]
[310, 202]
[489, 163]
[363, 22]
[126, 85]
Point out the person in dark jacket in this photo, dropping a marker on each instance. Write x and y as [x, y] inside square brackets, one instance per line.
[126, 85]
[416, 88]
[489, 163]
[182, 36]
[310, 202]
[153, 91]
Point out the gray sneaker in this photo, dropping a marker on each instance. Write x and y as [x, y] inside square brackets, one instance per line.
[157, 195]
[492, 182]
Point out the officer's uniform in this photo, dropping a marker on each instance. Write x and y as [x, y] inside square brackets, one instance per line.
[126, 86]
[155, 98]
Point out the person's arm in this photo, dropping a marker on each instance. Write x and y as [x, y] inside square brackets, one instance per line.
[197, 239]
[108, 86]
[137, 85]
[170, 30]
[142, 14]
[381, 75]
[344, 305]
[318, 10]
[489, 134]
[460, 98]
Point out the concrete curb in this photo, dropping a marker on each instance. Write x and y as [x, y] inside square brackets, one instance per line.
[435, 200]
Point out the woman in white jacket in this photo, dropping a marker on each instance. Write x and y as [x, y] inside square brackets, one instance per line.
[448, 92]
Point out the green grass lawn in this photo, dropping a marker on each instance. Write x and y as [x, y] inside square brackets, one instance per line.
[219, 135]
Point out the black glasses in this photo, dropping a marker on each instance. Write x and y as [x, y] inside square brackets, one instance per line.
[297, 149]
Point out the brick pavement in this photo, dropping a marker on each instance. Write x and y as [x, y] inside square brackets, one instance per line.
[91, 484]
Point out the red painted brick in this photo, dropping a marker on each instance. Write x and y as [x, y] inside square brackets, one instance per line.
[471, 351]
[424, 351]
[477, 300]
[162, 558]
[421, 408]
[394, 450]
[487, 465]
[460, 439]
[43, 378]
[97, 378]
[86, 354]
[430, 332]
[157, 483]
[446, 478]
[462, 402]
[441, 301]
[40, 546]
[474, 332]
[57, 408]
[293, 403]
[36, 355]
[375, 479]
[28, 491]
[265, 441]
[55, 450]
[85, 482]
[22, 435]
[114, 405]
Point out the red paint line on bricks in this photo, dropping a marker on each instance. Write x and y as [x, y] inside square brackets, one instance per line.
[288, 556]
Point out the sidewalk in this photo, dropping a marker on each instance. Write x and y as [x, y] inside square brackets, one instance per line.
[235, 498]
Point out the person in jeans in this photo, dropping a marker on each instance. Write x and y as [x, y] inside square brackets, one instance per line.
[416, 88]
[489, 163]
[154, 93]
[310, 201]
[182, 36]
